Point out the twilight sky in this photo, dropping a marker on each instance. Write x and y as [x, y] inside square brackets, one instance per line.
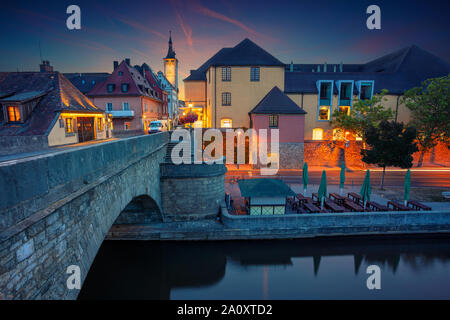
[305, 31]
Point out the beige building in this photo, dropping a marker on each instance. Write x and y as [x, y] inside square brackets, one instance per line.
[232, 82]
[44, 109]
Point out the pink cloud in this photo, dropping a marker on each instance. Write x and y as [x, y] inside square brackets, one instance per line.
[213, 14]
[187, 30]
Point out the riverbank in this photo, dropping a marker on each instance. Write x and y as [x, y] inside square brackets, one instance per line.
[232, 227]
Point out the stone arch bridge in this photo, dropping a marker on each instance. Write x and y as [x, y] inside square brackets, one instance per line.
[55, 209]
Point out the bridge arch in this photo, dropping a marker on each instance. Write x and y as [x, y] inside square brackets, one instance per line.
[78, 209]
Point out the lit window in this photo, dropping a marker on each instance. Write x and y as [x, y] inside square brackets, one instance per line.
[13, 114]
[226, 99]
[226, 73]
[273, 121]
[254, 74]
[344, 110]
[69, 125]
[100, 124]
[226, 123]
[338, 134]
[324, 113]
[318, 134]
[127, 125]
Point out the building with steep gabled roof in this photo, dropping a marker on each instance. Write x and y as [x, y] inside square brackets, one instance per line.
[42, 109]
[128, 97]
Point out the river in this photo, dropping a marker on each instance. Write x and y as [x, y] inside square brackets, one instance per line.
[411, 268]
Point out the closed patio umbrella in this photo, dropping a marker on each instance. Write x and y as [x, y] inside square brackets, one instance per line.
[407, 186]
[366, 189]
[342, 179]
[305, 178]
[322, 193]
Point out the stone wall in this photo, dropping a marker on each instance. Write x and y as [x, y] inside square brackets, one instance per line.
[291, 155]
[35, 252]
[308, 225]
[333, 153]
[191, 191]
[21, 144]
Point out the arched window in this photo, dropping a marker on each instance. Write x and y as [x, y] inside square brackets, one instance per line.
[226, 123]
[318, 134]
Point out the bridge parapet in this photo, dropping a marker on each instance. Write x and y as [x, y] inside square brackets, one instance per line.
[31, 184]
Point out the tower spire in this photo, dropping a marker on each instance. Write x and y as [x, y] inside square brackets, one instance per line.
[170, 53]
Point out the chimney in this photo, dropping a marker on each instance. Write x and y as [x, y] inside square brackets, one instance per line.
[45, 66]
[116, 64]
[127, 60]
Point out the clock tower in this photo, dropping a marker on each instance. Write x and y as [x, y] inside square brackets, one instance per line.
[171, 65]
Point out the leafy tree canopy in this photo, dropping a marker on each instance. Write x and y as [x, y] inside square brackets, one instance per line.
[363, 114]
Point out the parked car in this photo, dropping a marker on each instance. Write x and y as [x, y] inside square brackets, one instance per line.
[157, 126]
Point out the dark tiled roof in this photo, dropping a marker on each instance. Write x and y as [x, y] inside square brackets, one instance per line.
[264, 188]
[86, 81]
[59, 94]
[246, 53]
[397, 72]
[277, 102]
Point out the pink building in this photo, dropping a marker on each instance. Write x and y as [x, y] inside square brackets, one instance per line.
[128, 97]
[277, 111]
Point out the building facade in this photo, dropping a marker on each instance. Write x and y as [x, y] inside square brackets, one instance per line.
[128, 97]
[233, 81]
[43, 109]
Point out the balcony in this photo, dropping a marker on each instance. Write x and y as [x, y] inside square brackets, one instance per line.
[121, 113]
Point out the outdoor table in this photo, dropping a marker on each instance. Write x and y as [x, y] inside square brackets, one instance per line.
[333, 206]
[301, 198]
[397, 206]
[355, 197]
[311, 208]
[353, 206]
[418, 206]
[376, 206]
[337, 198]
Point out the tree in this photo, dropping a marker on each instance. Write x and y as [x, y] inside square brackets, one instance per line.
[390, 144]
[363, 114]
[430, 111]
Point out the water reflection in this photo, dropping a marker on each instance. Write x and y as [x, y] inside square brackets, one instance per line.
[291, 269]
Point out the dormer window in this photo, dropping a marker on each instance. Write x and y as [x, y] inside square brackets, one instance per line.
[120, 73]
[125, 87]
[345, 94]
[366, 90]
[325, 99]
[13, 114]
[111, 87]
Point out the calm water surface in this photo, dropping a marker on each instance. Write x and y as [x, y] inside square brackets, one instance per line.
[413, 268]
